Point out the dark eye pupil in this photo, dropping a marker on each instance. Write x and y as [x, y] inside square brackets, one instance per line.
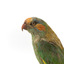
[33, 23]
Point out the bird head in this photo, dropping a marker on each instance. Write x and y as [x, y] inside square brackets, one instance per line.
[39, 27]
[35, 26]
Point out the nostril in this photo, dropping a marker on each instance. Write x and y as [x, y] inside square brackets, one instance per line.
[24, 22]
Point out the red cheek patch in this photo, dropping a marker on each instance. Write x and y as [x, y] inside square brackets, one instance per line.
[40, 27]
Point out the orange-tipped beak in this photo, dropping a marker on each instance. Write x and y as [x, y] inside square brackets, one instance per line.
[24, 27]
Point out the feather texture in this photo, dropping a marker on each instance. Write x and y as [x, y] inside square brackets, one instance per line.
[48, 53]
[47, 46]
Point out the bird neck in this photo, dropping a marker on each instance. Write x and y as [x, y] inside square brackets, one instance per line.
[48, 36]
[37, 37]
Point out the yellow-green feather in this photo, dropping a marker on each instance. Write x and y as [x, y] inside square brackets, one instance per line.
[50, 36]
[48, 53]
[47, 46]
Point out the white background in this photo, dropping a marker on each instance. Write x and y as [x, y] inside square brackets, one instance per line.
[15, 45]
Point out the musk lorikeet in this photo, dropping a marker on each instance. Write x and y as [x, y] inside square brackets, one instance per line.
[47, 46]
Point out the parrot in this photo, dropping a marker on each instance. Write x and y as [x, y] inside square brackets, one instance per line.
[46, 44]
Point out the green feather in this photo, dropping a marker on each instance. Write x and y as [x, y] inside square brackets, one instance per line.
[51, 54]
[46, 44]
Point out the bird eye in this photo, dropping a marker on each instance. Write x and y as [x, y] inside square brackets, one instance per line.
[33, 23]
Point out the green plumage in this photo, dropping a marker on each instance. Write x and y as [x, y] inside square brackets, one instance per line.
[50, 53]
[47, 46]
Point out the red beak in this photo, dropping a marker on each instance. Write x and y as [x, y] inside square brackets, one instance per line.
[24, 27]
